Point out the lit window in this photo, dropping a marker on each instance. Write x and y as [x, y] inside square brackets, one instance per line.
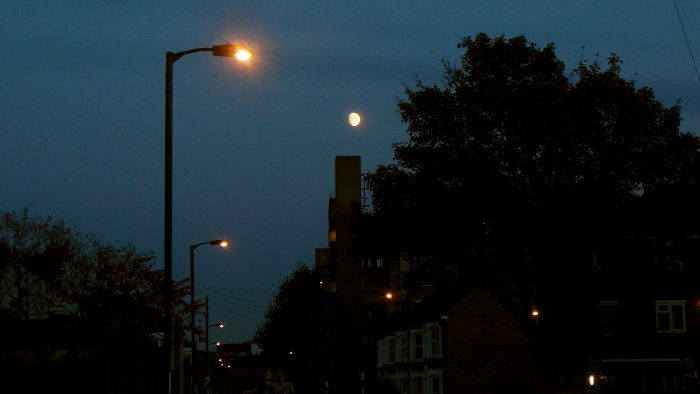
[670, 316]
[331, 236]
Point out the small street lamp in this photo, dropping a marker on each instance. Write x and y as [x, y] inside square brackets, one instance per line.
[206, 335]
[405, 300]
[223, 244]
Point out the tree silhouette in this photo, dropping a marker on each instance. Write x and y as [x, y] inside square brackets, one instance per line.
[515, 171]
[305, 333]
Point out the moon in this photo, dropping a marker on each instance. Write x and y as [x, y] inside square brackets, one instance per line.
[354, 119]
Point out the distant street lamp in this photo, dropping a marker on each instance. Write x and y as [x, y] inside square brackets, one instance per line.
[240, 53]
[206, 335]
[223, 244]
[405, 300]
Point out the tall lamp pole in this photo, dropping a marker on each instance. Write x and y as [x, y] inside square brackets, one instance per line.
[221, 243]
[240, 53]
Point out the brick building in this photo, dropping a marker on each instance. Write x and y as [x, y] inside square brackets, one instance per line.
[465, 340]
[630, 323]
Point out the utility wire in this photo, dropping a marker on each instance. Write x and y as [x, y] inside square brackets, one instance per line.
[226, 307]
[229, 301]
[687, 43]
[228, 288]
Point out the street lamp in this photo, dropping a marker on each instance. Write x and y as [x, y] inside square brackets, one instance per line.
[206, 335]
[240, 53]
[406, 300]
[223, 244]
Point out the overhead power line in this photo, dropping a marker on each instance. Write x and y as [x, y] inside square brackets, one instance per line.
[687, 43]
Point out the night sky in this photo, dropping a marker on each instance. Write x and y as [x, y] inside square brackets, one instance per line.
[82, 101]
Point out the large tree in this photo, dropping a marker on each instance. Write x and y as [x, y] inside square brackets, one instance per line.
[295, 331]
[48, 268]
[83, 307]
[515, 168]
[306, 333]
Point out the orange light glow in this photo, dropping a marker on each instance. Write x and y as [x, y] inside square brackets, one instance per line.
[389, 296]
[223, 244]
[535, 313]
[242, 54]
[591, 380]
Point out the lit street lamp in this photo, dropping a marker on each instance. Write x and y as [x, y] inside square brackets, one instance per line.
[206, 335]
[405, 300]
[223, 244]
[240, 53]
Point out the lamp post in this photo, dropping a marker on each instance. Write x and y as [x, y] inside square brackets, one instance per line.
[406, 300]
[223, 244]
[240, 53]
[206, 332]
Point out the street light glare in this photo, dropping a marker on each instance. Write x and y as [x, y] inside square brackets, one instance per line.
[243, 54]
[591, 380]
[228, 50]
[221, 242]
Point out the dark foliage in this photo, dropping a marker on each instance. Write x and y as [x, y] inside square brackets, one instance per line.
[77, 312]
[516, 172]
[48, 268]
[304, 332]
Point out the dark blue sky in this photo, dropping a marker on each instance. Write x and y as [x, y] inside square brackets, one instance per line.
[82, 96]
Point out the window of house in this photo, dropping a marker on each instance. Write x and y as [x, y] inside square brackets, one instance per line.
[670, 316]
[372, 263]
[392, 350]
[332, 236]
[435, 385]
[404, 347]
[418, 346]
[608, 310]
[404, 386]
[607, 315]
[418, 385]
[435, 341]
